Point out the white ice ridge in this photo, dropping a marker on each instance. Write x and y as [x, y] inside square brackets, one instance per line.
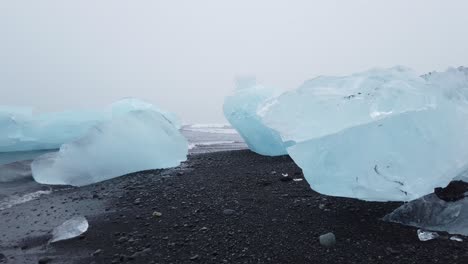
[383, 134]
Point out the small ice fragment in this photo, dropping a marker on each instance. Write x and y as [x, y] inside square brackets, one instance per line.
[285, 174]
[70, 229]
[455, 238]
[298, 180]
[427, 235]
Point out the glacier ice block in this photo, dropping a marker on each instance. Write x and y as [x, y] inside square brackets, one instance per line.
[380, 135]
[129, 142]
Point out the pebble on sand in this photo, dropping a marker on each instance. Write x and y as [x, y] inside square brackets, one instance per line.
[327, 240]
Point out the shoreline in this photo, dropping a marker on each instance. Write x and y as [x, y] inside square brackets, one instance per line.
[223, 207]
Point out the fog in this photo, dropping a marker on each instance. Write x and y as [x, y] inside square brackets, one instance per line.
[184, 55]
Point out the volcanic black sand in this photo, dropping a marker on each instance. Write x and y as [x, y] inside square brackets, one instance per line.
[226, 207]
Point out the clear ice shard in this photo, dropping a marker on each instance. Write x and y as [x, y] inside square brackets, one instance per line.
[240, 109]
[129, 142]
[424, 235]
[379, 135]
[432, 213]
[70, 229]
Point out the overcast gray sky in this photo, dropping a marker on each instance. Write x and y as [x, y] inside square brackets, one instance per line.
[184, 55]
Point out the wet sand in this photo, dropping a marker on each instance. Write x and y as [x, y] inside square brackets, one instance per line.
[225, 207]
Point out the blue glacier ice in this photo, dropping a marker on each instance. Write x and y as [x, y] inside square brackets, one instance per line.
[20, 130]
[23, 131]
[240, 109]
[380, 135]
[130, 141]
[129, 135]
[126, 105]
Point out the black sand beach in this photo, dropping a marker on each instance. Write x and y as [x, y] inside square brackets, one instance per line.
[225, 207]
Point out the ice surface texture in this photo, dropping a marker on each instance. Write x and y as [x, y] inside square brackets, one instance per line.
[129, 104]
[240, 109]
[380, 135]
[129, 142]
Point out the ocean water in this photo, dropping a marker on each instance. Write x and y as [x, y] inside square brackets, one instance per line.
[17, 185]
[212, 138]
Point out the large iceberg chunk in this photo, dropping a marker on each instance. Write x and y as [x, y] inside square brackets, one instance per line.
[384, 134]
[129, 142]
[240, 109]
[20, 130]
[398, 158]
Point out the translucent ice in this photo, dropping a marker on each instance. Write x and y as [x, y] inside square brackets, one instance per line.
[129, 142]
[126, 105]
[70, 229]
[20, 130]
[432, 213]
[240, 109]
[424, 235]
[384, 134]
[399, 158]
[329, 105]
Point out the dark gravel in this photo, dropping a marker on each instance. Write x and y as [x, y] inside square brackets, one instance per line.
[237, 207]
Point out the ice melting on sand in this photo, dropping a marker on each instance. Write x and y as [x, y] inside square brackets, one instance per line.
[432, 213]
[240, 109]
[70, 229]
[130, 135]
[424, 235]
[384, 134]
[129, 142]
